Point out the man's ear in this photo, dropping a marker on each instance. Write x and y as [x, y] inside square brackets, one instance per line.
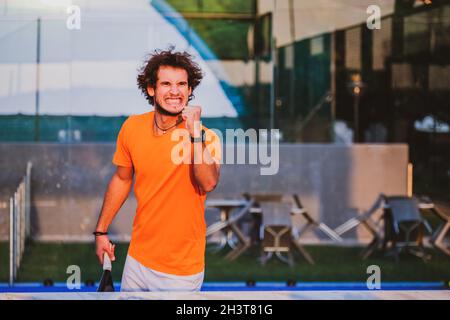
[151, 91]
[190, 90]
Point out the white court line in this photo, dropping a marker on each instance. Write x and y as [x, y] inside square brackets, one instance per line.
[236, 295]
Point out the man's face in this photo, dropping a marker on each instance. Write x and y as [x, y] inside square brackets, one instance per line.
[172, 90]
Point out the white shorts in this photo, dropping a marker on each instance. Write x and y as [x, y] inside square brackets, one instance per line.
[137, 277]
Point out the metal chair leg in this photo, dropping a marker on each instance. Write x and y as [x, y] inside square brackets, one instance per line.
[303, 252]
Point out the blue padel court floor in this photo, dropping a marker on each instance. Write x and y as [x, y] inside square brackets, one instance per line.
[242, 286]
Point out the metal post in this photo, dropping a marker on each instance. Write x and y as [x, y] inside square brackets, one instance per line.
[273, 82]
[356, 87]
[356, 115]
[22, 230]
[16, 233]
[20, 222]
[11, 241]
[333, 66]
[273, 49]
[28, 199]
[38, 61]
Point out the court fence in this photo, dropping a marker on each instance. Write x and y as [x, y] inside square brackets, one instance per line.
[19, 223]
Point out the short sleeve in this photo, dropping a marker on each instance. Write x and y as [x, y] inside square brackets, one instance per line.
[122, 155]
[213, 145]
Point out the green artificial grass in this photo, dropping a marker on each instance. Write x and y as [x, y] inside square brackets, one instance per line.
[50, 260]
[4, 261]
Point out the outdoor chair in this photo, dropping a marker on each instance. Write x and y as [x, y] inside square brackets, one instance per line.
[404, 227]
[276, 230]
[311, 223]
[366, 219]
[442, 212]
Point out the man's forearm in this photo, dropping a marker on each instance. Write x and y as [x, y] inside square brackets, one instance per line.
[116, 194]
[206, 171]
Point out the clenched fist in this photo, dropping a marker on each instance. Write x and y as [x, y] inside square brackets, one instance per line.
[192, 114]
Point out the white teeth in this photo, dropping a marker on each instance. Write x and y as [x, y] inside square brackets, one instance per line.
[173, 101]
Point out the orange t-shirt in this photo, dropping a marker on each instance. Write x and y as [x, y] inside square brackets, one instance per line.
[169, 229]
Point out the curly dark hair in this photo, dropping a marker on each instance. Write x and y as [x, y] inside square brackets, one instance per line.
[147, 76]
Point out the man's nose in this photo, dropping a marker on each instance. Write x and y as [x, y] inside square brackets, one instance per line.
[174, 89]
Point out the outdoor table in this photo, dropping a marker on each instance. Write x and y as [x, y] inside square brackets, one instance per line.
[438, 236]
[228, 225]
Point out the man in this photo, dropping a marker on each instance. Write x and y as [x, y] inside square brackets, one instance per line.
[168, 240]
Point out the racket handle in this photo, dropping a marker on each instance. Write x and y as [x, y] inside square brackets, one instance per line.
[106, 262]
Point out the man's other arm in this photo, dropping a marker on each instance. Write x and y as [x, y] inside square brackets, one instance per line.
[117, 192]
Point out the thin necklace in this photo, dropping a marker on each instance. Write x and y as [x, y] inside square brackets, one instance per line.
[180, 119]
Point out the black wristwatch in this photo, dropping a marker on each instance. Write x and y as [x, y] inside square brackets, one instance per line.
[202, 137]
